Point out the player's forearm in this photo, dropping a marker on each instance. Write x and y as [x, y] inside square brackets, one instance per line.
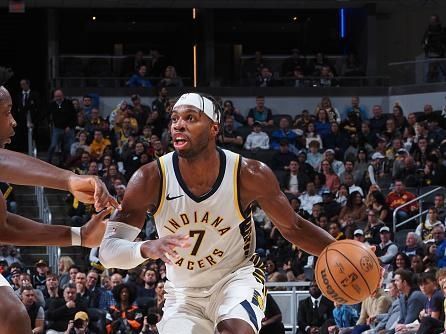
[21, 231]
[304, 234]
[21, 169]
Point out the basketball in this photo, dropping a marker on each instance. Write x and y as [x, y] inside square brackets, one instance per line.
[347, 272]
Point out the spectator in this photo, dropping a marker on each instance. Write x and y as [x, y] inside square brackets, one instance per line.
[336, 140]
[257, 139]
[98, 145]
[62, 310]
[424, 229]
[284, 132]
[314, 311]
[125, 316]
[412, 245]
[80, 144]
[322, 124]
[373, 227]
[39, 278]
[79, 325]
[416, 264]
[350, 183]
[294, 182]
[271, 272]
[334, 228]
[411, 301]
[260, 113]
[302, 121]
[170, 78]
[158, 118]
[314, 157]
[354, 209]
[378, 120]
[326, 78]
[272, 322]
[345, 317]
[386, 250]
[265, 78]
[35, 311]
[399, 118]
[342, 194]
[281, 159]
[139, 79]
[332, 112]
[52, 289]
[331, 208]
[290, 63]
[375, 170]
[439, 205]
[309, 198]
[336, 165]
[377, 201]
[331, 179]
[400, 196]
[230, 110]
[100, 297]
[231, 138]
[356, 108]
[96, 122]
[63, 120]
[311, 136]
[150, 281]
[440, 242]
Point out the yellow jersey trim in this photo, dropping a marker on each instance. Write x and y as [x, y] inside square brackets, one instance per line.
[163, 180]
[236, 188]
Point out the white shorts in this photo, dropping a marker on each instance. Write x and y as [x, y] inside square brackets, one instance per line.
[3, 281]
[240, 295]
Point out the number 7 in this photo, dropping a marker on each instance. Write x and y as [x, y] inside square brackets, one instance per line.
[199, 240]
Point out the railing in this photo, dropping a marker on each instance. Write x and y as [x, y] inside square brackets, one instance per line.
[288, 300]
[420, 71]
[43, 208]
[418, 215]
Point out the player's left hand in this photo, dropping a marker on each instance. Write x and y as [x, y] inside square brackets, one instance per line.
[89, 189]
[93, 231]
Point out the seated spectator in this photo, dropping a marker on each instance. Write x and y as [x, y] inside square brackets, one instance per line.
[336, 140]
[111, 175]
[257, 139]
[124, 316]
[375, 170]
[265, 78]
[400, 196]
[271, 272]
[356, 108]
[412, 245]
[139, 78]
[330, 206]
[440, 242]
[314, 311]
[411, 300]
[284, 132]
[386, 249]
[355, 209]
[133, 161]
[416, 264]
[342, 194]
[52, 288]
[309, 197]
[334, 228]
[272, 322]
[170, 78]
[139, 111]
[439, 205]
[260, 113]
[352, 125]
[348, 169]
[35, 311]
[349, 181]
[326, 78]
[281, 160]
[424, 229]
[358, 235]
[360, 166]
[230, 138]
[314, 157]
[294, 182]
[336, 165]
[345, 317]
[98, 145]
[150, 280]
[400, 261]
[39, 277]
[373, 227]
[79, 325]
[62, 310]
[377, 121]
[96, 122]
[80, 144]
[322, 124]
[297, 78]
[377, 201]
[302, 121]
[305, 167]
[331, 179]
[399, 118]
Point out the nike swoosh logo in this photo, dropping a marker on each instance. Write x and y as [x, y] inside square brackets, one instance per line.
[174, 197]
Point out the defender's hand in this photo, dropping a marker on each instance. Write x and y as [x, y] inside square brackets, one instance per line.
[89, 189]
[164, 248]
[93, 231]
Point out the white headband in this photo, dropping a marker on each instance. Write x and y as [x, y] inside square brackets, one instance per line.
[200, 102]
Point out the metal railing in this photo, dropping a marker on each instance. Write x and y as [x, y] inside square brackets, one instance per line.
[288, 300]
[418, 215]
[44, 211]
[420, 71]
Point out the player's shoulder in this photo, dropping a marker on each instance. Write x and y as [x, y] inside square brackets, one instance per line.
[147, 173]
[250, 168]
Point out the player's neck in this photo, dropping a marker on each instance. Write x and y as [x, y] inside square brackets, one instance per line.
[201, 163]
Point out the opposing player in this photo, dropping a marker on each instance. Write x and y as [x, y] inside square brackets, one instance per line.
[20, 169]
[215, 281]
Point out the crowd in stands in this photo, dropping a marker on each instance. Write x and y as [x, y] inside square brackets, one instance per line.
[342, 170]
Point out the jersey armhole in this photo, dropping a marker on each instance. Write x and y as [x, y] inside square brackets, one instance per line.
[162, 188]
[237, 203]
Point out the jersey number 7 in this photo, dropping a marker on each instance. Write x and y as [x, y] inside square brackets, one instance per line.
[200, 234]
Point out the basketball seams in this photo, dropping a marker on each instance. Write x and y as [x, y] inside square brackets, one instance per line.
[359, 271]
[344, 242]
[334, 280]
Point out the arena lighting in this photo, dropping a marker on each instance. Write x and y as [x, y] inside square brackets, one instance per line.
[194, 14]
[342, 22]
[94, 18]
[195, 65]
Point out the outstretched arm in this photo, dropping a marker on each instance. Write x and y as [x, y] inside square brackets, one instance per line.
[21, 169]
[258, 183]
[118, 248]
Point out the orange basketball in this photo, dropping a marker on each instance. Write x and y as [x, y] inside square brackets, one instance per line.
[347, 272]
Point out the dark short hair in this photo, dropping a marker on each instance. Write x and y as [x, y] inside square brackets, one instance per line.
[406, 275]
[426, 276]
[118, 289]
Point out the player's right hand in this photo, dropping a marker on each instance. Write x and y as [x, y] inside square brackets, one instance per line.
[164, 248]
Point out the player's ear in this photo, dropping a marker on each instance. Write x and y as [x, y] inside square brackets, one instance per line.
[215, 129]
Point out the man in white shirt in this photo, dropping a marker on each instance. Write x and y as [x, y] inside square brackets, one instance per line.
[309, 198]
[336, 165]
[257, 139]
[386, 250]
[350, 183]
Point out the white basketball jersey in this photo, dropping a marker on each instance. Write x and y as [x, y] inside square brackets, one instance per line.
[222, 237]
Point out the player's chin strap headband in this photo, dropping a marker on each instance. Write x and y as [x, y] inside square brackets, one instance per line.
[200, 102]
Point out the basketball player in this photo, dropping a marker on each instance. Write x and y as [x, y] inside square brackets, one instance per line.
[215, 281]
[20, 169]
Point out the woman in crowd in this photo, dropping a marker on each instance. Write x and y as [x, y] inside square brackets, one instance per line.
[124, 316]
[331, 179]
[65, 262]
[342, 194]
[377, 202]
[272, 322]
[170, 78]
[354, 208]
[424, 230]
[322, 125]
[311, 135]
